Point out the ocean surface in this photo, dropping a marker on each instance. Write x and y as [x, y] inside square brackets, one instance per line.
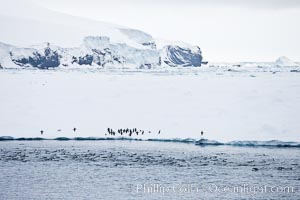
[124, 169]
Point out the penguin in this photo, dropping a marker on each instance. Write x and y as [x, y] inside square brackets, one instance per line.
[42, 132]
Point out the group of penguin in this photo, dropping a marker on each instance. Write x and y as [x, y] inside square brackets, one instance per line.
[128, 131]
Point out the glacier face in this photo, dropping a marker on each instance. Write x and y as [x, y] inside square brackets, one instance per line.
[101, 51]
[180, 56]
[43, 59]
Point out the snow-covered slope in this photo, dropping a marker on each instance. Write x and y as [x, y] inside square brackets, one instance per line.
[63, 40]
[23, 23]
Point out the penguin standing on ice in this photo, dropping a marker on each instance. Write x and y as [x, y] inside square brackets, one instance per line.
[74, 129]
[202, 133]
[42, 132]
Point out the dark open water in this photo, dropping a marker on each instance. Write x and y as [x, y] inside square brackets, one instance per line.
[146, 170]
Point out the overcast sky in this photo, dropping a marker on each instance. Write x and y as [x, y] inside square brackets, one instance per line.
[226, 30]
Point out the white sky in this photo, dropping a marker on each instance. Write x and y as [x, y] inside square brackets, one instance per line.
[226, 30]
